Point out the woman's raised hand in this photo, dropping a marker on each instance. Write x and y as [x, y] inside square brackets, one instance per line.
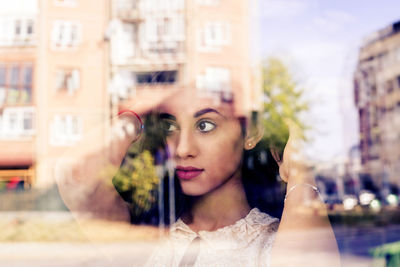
[84, 173]
[304, 232]
[293, 165]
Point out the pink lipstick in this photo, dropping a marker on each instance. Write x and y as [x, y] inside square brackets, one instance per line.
[187, 173]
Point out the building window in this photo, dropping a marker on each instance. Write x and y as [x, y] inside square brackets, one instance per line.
[389, 86]
[163, 34]
[66, 34]
[66, 3]
[13, 90]
[65, 130]
[16, 83]
[16, 31]
[214, 79]
[208, 2]
[3, 88]
[214, 35]
[156, 77]
[161, 6]
[17, 28]
[398, 81]
[397, 54]
[67, 80]
[17, 122]
[165, 29]
[127, 4]
[29, 27]
[27, 121]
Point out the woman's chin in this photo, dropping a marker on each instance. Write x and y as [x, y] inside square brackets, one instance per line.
[192, 191]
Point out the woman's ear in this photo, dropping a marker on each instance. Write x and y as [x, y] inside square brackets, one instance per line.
[253, 137]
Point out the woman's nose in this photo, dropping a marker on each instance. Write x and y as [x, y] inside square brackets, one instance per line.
[186, 145]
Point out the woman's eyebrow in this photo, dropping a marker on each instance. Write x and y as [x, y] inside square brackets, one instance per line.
[206, 110]
[167, 116]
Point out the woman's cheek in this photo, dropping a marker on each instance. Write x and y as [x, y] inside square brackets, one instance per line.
[228, 156]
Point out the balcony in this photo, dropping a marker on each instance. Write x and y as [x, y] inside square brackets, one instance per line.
[16, 153]
[130, 15]
[16, 162]
[128, 10]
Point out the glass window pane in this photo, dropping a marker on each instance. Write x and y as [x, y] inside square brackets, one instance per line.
[29, 29]
[26, 95]
[28, 121]
[17, 27]
[3, 73]
[28, 75]
[14, 76]
[12, 96]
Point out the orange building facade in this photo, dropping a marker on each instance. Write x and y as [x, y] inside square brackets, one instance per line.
[68, 66]
[53, 75]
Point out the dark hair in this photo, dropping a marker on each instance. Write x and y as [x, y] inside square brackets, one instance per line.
[260, 175]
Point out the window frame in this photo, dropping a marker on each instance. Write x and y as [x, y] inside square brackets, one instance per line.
[64, 76]
[214, 35]
[62, 34]
[66, 129]
[17, 31]
[21, 85]
[215, 79]
[18, 115]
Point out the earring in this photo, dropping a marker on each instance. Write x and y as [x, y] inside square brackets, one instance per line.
[250, 145]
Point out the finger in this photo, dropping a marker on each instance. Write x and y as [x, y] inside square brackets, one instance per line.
[293, 168]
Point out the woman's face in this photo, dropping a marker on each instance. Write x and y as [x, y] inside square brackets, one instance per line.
[205, 141]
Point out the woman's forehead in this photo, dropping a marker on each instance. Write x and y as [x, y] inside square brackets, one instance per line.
[190, 102]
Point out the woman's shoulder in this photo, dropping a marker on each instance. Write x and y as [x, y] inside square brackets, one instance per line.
[254, 221]
[256, 227]
[259, 219]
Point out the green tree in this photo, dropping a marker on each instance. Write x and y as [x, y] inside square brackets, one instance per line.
[137, 180]
[137, 177]
[282, 101]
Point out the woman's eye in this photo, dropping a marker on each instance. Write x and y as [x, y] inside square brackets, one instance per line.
[169, 126]
[205, 126]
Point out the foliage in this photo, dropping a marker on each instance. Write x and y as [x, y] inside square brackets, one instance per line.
[138, 177]
[136, 180]
[282, 101]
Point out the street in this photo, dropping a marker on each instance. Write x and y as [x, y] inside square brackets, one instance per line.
[354, 244]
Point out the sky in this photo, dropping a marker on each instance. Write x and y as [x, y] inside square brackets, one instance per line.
[319, 41]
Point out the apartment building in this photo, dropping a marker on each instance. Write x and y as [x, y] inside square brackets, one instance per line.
[53, 82]
[68, 66]
[202, 44]
[17, 108]
[377, 97]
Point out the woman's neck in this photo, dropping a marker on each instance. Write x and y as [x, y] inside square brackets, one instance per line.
[221, 207]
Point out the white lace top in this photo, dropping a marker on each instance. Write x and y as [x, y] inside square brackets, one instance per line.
[246, 243]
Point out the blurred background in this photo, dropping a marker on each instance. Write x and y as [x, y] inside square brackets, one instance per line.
[69, 66]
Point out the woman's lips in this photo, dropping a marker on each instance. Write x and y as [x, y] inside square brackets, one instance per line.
[187, 173]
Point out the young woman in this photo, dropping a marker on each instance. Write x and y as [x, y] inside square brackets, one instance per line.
[206, 139]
